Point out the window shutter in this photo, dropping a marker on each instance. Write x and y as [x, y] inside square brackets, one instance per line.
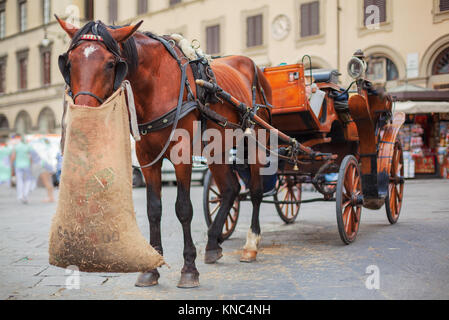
[142, 6]
[113, 11]
[89, 9]
[310, 19]
[23, 73]
[2, 76]
[305, 20]
[315, 18]
[249, 30]
[46, 67]
[444, 5]
[213, 39]
[254, 31]
[381, 4]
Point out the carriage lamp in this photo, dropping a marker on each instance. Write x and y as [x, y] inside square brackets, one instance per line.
[356, 68]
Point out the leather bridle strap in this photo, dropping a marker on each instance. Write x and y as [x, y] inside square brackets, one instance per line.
[87, 93]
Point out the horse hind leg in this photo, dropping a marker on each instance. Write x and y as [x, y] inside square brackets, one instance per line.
[229, 187]
[184, 212]
[253, 236]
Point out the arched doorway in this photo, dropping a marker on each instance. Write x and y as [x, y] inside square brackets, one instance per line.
[23, 123]
[46, 121]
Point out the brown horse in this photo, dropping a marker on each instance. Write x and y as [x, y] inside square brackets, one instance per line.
[91, 68]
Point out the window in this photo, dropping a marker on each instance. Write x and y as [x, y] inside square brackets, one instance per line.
[113, 11]
[254, 31]
[22, 61]
[444, 5]
[213, 39]
[367, 13]
[173, 2]
[46, 11]
[2, 19]
[46, 68]
[310, 19]
[441, 64]
[89, 9]
[2, 75]
[142, 6]
[381, 69]
[22, 15]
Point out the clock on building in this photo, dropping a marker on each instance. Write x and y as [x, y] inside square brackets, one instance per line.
[280, 27]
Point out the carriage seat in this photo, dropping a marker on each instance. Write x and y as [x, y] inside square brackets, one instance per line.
[324, 75]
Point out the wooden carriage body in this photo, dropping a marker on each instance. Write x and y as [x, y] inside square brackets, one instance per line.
[361, 125]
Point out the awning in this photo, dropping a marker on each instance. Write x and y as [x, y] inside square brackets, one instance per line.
[413, 107]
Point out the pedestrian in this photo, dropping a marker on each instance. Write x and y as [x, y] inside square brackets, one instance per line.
[5, 163]
[44, 161]
[21, 158]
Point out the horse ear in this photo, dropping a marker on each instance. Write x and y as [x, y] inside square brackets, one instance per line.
[124, 33]
[68, 27]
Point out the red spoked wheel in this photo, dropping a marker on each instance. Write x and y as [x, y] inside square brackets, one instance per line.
[212, 203]
[349, 199]
[287, 199]
[393, 201]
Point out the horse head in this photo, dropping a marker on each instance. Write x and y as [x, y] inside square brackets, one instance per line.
[93, 66]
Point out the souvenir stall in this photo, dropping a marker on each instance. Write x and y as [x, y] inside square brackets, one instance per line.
[425, 138]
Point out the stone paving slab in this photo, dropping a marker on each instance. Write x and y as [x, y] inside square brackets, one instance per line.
[304, 260]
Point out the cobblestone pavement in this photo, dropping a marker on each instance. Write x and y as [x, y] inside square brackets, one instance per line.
[305, 260]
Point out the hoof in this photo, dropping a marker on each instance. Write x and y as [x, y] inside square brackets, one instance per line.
[189, 280]
[213, 256]
[248, 256]
[147, 279]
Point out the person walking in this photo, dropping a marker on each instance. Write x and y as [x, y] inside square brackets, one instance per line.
[5, 163]
[21, 158]
[46, 164]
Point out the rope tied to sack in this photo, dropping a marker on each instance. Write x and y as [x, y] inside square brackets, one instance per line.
[126, 85]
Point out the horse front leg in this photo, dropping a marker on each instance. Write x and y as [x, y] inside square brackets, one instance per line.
[184, 212]
[253, 236]
[154, 212]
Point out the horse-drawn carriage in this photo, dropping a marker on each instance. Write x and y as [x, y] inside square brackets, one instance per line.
[366, 166]
[171, 85]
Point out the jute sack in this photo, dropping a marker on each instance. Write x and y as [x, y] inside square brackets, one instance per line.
[95, 227]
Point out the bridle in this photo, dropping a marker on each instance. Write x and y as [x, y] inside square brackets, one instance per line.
[121, 67]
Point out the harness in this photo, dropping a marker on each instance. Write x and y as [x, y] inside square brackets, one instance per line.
[201, 70]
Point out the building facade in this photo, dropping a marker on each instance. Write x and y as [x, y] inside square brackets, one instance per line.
[404, 41]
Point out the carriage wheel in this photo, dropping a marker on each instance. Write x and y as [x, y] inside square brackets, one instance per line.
[212, 203]
[288, 190]
[393, 201]
[348, 198]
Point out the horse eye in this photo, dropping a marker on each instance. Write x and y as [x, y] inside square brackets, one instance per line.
[110, 65]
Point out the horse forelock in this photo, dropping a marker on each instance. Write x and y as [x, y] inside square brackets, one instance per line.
[129, 52]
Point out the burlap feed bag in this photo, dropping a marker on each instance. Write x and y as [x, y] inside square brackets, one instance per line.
[95, 226]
